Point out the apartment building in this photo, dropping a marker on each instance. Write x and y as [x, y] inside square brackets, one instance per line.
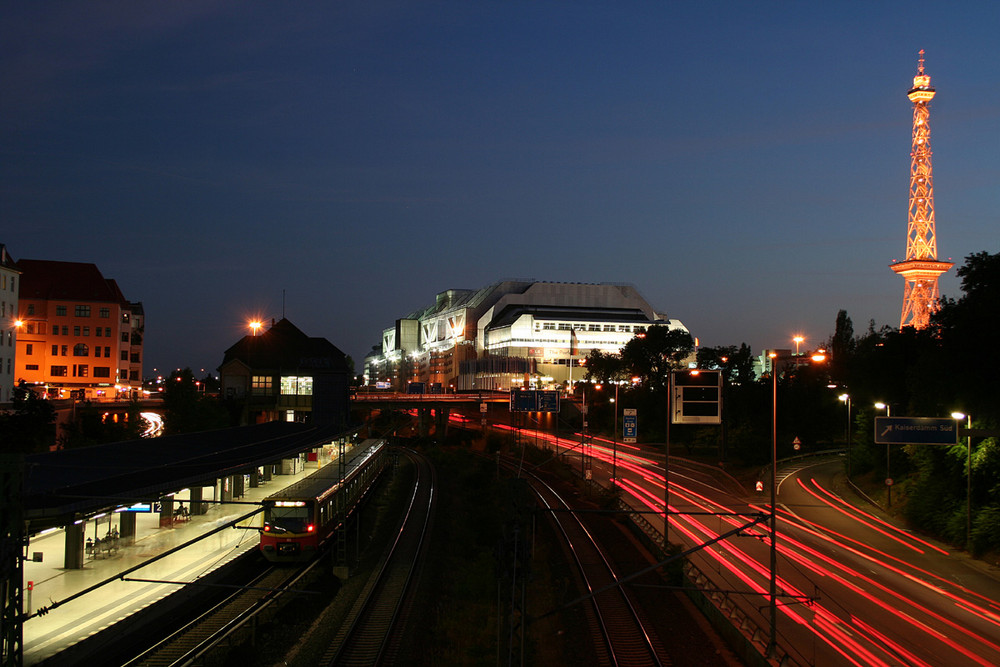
[77, 335]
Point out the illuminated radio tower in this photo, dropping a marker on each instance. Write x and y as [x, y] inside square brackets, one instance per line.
[921, 268]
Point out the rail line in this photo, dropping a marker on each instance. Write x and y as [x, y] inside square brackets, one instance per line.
[372, 631]
[616, 619]
[195, 639]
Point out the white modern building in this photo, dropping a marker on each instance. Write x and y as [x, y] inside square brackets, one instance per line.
[510, 334]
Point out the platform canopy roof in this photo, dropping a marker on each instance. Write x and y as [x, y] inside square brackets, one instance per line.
[65, 485]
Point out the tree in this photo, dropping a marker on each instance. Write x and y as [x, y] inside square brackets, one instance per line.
[841, 346]
[652, 355]
[604, 367]
[30, 426]
[187, 410]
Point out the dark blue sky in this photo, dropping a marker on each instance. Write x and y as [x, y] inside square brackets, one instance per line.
[744, 164]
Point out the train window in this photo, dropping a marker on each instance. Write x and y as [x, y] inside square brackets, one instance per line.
[281, 519]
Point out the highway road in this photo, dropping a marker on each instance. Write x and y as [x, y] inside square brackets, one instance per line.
[854, 587]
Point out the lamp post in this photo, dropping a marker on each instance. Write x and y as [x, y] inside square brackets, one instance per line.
[798, 341]
[958, 416]
[846, 398]
[614, 441]
[772, 644]
[888, 477]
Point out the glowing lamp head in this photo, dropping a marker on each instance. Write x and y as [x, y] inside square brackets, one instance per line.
[958, 415]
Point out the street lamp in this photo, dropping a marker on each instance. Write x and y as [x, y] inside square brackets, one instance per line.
[255, 326]
[772, 645]
[888, 478]
[798, 341]
[958, 416]
[846, 398]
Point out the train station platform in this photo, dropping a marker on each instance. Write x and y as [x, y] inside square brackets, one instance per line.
[48, 582]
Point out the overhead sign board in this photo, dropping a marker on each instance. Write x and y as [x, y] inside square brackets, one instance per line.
[630, 425]
[696, 396]
[531, 400]
[915, 431]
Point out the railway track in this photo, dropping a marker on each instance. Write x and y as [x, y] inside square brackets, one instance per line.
[238, 611]
[615, 618]
[371, 634]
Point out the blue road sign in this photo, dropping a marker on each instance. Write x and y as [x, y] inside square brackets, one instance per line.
[915, 431]
[530, 400]
[630, 425]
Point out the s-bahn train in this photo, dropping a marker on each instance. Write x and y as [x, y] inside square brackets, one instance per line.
[301, 517]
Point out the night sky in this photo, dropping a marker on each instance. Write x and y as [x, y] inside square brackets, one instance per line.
[744, 164]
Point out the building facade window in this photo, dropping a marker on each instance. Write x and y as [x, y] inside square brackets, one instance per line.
[82, 311]
[292, 385]
[81, 370]
[105, 312]
[76, 331]
[31, 367]
[124, 355]
[60, 311]
[98, 331]
[31, 309]
[261, 385]
[29, 348]
[124, 336]
[107, 332]
[80, 350]
[102, 372]
[58, 371]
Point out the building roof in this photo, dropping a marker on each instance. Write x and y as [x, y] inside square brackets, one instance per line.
[66, 482]
[66, 281]
[6, 261]
[285, 346]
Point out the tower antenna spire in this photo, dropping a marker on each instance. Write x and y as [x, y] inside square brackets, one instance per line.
[921, 268]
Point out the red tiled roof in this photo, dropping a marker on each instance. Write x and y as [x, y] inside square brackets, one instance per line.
[66, 281]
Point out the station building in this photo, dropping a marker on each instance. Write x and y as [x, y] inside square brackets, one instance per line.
[77, 333]
[282, 374]
[509, 334]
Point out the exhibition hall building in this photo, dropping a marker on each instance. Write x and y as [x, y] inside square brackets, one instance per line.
[511, 334]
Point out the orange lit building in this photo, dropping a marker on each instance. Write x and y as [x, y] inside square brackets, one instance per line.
[77, 333]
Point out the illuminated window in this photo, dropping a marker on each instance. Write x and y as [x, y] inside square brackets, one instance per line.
[58, 371]
[292, 385]
[261, 385]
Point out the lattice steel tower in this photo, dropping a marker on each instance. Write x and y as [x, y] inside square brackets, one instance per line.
[921, 267]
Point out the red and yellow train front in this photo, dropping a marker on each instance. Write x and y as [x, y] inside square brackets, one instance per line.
[291, 532]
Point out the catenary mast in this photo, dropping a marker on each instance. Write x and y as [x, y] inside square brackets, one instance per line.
[921, 268]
